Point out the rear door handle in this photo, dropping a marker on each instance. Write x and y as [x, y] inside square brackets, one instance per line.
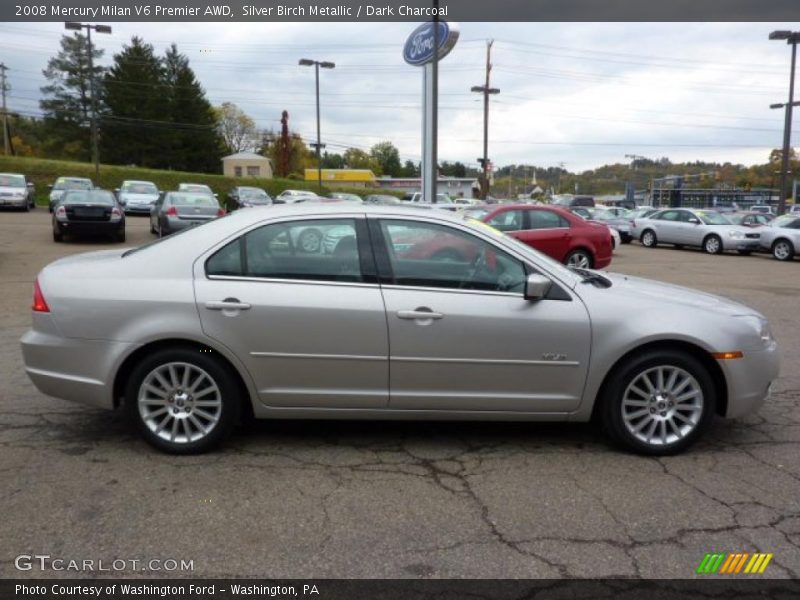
[419, 315]
[227, 304]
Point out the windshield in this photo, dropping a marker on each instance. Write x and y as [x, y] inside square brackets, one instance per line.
[736, 219]
[72, 184]
[784, 221]
[14, 181]
[709, 217]
[139, 187]
[88, 197]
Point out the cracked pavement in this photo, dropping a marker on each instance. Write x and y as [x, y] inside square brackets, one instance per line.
[297, 499]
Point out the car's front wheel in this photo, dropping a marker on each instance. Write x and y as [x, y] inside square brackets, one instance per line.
[659, 402]
[182, 400]
[783, 250]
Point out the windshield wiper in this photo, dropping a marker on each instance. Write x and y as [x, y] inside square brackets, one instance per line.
[593, 278]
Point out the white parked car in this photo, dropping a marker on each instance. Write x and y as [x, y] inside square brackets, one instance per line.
[292, 196]
[782, 236]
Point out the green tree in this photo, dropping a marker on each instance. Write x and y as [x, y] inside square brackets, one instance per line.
[409, 169]
[67, 98]
[194, 143]
[237, 129]
[134, 129]
[355, 158]
[332, 161]
[388, 157]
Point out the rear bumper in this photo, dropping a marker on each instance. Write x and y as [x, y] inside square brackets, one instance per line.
[90, 227]
[749, 380]
[176, 224]
[72, 369]
[137, 209]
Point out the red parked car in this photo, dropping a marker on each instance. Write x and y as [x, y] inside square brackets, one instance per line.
[553, 231]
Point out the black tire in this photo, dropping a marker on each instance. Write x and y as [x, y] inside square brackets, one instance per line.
[678, 246]
[58, 236]
[745, 252]
[648, 238]
[712, 244]
[120, 236]
[152, 229]
[783, 250]
[578, 254]
[614, 390]
[229, 411]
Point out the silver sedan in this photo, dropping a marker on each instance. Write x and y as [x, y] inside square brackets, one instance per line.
[706, 229]
[782, 236]
[193, 331]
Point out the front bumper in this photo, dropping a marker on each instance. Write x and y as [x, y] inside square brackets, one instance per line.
[749, 379]
[14, 202]
[72, 369]
[731, 244]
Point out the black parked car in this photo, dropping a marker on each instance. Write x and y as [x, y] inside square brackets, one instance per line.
[244, 197]
[88, 212]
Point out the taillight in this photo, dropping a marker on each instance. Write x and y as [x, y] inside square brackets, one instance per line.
[39, 303]
[172, 211]
[221, 212]
[61, 212]
[116, 214]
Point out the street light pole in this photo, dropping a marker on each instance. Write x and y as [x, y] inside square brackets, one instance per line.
[305, 62]
[6, 143]
[99, 29]
[792, 38]
[486, 91]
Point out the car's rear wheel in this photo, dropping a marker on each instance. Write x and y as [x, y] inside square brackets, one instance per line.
[310, 241]
[579, 258]
[783, 250]
[659, 402]
[712, 244]
[649, 239]
[182, 400]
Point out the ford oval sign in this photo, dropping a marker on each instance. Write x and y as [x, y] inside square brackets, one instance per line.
[419, 45]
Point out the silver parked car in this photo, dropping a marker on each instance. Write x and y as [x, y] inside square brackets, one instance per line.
[178, 210]
[66, 184]
[192, 331]
[16, 191]
[706, 229]
[137, 196]
[782, 236]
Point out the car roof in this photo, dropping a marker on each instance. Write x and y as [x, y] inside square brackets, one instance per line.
[137, 181]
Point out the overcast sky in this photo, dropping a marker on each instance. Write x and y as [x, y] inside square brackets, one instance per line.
[584, 94]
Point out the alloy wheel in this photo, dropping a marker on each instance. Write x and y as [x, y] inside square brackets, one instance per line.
[782, 250]
[712, 245]
[179, 402]
[579, 259]
[648, 239]
[662, 405]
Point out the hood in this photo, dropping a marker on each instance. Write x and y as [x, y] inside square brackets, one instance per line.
[14, 191]
[651, 292]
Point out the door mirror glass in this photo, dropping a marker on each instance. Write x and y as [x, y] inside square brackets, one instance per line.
[536, 286]
[694, 220]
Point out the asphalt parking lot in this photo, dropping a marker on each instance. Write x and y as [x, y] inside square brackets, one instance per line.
[371, 499]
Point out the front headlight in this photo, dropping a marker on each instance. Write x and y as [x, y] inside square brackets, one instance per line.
[736, 235]
[760, 327]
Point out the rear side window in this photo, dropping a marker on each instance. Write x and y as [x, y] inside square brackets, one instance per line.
[509, 220]
[320, 250]
[544, 219]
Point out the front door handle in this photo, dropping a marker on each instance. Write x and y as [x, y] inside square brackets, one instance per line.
[422, 314]
[227, 304]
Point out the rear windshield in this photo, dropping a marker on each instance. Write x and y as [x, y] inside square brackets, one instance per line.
[191, 187]
[189, 199]
[88, 197]
[72, 184]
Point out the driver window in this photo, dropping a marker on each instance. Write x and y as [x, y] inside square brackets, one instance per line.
[431, 255]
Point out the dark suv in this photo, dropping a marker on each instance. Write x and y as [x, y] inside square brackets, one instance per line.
[572, 201]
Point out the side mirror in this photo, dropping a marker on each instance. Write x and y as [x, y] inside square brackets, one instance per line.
[30, 184]
[50, 185]
[695, 221]
[536, 286]
[116, 190]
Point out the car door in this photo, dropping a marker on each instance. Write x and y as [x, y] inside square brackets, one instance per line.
[463, 337]
[547, 232]
[310, 327]
[666, 226]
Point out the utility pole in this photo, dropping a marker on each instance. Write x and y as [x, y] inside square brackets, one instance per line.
[558, 185]
[6, 144]
[792, 38]
[306, 62]
[486, 90]
[72, 25]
